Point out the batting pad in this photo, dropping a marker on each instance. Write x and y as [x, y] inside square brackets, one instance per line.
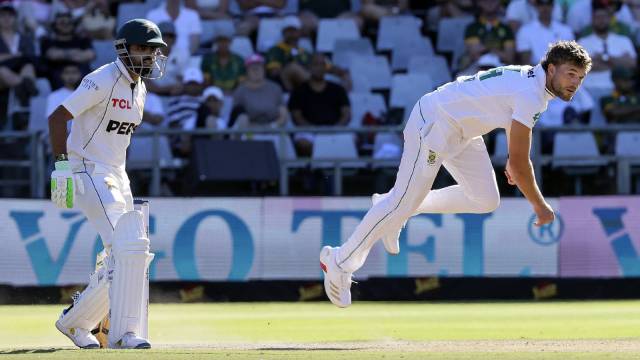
[130, 249]
[92, 305]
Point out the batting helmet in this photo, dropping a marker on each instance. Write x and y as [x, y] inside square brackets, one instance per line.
[141, 32]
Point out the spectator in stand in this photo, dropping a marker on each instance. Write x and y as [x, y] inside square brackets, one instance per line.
[580, 14]
[209, 9]
[447, 9]
[35, 16]
[98, 22]
[634, 22]
[623, 105]
[533, 39]
[258, 101]
[522, 12]
[253, 11]
[186, 21]
[287, 62]
[177, 60]
[17, 55]
[62, 47]
[210, 111]
[182, 110]
[488, 35]
[153, 110]
[76, 8]
[71, 76]
[615, 25]
[317, 103]
[222, 68]
[607, 50]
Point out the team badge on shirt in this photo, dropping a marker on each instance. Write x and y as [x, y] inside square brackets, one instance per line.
[536, 117]
[431, 158]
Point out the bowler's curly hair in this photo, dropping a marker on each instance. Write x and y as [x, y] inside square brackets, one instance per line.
[562, 52]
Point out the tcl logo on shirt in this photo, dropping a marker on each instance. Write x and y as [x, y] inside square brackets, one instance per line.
[122, 128]
[121, 103]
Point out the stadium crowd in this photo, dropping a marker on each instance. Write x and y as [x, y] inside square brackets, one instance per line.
[246, 64]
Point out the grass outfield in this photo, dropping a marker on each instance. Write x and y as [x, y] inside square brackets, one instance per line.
[479, 331]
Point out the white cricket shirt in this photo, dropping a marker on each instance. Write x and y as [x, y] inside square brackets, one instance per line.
[490, 99]
[107, 107]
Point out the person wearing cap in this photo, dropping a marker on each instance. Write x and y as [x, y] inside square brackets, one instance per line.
[63, 46]
[287, 61]
[607, 49]
[223, 68]
[210, 111]
[186, 21]
[106, 108]
[533, 39]
[170, 84]
[623, 105]
[258, 101]
[17, 57]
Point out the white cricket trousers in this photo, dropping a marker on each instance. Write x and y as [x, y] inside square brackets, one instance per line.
[430, 140]
[107, 195]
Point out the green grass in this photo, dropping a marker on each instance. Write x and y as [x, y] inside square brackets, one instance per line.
[363, 331]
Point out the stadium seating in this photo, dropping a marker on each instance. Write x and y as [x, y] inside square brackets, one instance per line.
[345, 49]
[406, 89]
[581, 156]
[242, 46]
[361, 103]
[394, 29]
[404, 49]
[212, 28]
[330, 30]
[434, 65]
[140, 153]
[269, 33]
[105, 53]
[335, 146]
[374, 67]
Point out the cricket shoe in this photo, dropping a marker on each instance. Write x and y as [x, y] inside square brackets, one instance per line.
[82, 338]
[337, 282]
[391, 242]
[131, 341]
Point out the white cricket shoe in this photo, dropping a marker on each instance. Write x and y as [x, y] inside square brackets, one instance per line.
[337, 283]
[391, 242]
[82, 338]
[131, 341]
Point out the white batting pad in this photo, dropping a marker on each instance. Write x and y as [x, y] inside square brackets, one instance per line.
[93, 303]
[131, 258]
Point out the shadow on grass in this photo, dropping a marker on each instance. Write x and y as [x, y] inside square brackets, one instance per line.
[30, 351]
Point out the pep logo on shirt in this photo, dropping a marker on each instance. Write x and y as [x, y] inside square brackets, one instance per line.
[121, 128]
[120, 103]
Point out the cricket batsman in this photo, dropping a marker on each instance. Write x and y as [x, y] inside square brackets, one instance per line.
[445, 128]
[89, 174]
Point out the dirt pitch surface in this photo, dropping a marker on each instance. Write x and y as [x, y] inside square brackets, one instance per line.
[448, 346]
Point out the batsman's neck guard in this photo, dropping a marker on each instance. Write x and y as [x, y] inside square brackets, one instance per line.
[156, 62]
